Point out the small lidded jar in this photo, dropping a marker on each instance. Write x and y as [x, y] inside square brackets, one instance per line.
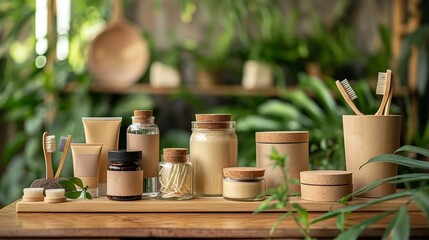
[244, 183]
[175, 175]
[124, 175]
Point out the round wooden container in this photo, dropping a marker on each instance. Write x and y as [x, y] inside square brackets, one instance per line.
[292, 144]
[325, 185]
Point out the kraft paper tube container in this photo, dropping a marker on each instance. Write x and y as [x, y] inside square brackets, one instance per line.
[292, 144]
[366, 137]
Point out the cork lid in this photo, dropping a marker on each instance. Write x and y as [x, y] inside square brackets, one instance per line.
[143, 113]
[175, 155]
[282, 137]
[213, 117]
[326, 177]
[243, 172]
[174, 151]
[213, 121]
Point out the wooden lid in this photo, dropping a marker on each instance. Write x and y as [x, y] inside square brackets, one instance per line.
[143, 113]
[282, 137]
[213, 117]
[326, 177]
[175, 151]
[243, 172]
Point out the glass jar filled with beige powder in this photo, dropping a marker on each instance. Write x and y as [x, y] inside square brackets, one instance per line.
[244, 183]
[213, 147]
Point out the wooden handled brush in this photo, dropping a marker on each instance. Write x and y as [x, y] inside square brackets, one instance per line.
[348, 94]
[389, 100]
[48, 148]
[64, 148]
[383, 88]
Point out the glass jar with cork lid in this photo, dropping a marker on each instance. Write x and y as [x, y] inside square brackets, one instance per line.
[244, 184]
[143, 135]
[175, 175]
[213, 147]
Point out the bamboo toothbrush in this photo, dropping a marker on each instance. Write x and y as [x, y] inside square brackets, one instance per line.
[48, 148]
[64, 148]
[389, 100]
[348, 94]
[383, 88]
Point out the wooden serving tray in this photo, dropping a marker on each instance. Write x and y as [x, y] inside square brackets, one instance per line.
[207, 204]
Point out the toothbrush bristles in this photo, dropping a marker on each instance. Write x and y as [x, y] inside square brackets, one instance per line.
[62, 144]
[50, 143]
[349, 89]
[381, 83]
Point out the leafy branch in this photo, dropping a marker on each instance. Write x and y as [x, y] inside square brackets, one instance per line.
[72, 192]
[280, 198]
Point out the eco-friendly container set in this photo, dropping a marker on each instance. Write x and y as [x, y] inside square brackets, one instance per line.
[210, 169]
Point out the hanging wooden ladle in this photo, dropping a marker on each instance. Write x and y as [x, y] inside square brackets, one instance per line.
[119, 55]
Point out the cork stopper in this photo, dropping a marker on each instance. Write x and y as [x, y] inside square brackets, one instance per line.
[175, 155]
[243, 172]
[143, 113]
[213, 117]
[213, 121]
[326, 177]
[282, 137]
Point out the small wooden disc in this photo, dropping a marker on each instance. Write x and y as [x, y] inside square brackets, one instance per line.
[32, 198]
[282, 137]
[55, 200]
[326, 177]
[243, 172]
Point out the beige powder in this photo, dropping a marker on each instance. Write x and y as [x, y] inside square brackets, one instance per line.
[149, 144]
[210, 152]
[243, 190]
[124, 183]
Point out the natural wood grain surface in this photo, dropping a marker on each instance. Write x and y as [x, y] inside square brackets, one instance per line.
[214, 225]
[213, 204]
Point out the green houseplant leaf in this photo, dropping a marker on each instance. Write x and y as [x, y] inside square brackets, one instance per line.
[421, 199]
[401, 160]
[73, 195]
[68, 185]
[76, 181]
[413, 149]
[399, 227]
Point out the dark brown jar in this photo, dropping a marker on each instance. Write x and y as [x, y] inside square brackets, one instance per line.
[124, 175]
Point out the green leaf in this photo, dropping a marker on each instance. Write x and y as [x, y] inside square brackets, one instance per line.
[403, 178]
[88, 195]
[66, 184]
[266, 205]
[366, 204]
[413, 149]
[354, 231]
[401, 160]
[76, 181]
[302, 214]
[399, 227]
[421, 199]
[73, 195]
[340, 222]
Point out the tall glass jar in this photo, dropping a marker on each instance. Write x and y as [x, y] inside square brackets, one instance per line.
[175, 175]
[143, 135]
[213, 147]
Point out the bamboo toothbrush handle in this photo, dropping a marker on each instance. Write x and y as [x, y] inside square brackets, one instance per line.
[386, 93]
[48, 158]
[63, 156]
[389, 101]
[347, 98]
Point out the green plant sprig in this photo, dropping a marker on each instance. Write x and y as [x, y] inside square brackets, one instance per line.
[280, 198]
[72, 192]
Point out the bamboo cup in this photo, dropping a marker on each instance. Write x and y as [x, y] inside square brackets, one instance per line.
[366, 137]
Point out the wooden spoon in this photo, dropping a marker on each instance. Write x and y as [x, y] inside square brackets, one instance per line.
[118, 56]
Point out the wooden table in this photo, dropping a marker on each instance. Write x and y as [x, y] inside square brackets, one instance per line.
[200, 225]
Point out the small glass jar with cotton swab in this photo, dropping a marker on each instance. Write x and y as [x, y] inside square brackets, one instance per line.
[175, 175]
